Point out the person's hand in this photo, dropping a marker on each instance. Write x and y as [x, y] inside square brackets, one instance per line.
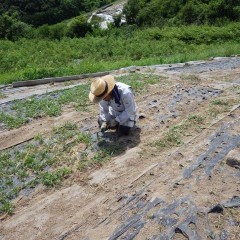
[113, 123]
[104, 127]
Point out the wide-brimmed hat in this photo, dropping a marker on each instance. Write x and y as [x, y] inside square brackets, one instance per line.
[101, 87]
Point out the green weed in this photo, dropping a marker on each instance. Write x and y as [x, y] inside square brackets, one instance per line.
[65, 132]
[84, 138]
[219, 102]
[51, 179]
[106, 152]
[175, 134]
[39, 161]
[195, 119]
[2, 95]
[46, 106]
[39, 138]
[139, 81]
[235, 89]
[213, 112]
[6, 207]
[218, 106]
[150, 216]
[33, 107]
[48, 159]
[12, 121]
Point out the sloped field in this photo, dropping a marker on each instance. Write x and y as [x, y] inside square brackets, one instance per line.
[175, 177]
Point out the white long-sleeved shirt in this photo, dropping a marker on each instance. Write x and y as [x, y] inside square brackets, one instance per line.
[125, 112]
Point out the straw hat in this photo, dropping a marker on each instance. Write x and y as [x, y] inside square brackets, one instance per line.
[101, 87]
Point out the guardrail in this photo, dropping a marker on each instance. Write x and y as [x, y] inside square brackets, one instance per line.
[57, 79]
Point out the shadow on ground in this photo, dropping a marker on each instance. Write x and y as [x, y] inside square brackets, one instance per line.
[114, 145]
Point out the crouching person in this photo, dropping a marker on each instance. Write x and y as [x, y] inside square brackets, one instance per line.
[117, 105]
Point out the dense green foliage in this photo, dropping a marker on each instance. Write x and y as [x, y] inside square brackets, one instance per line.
[37, 19]
[115, 48]
[161, 12]
[44, 19]
[37, 13]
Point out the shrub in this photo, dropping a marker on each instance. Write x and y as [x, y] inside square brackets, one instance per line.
[79, 27]
[56, 31]
[42, 32]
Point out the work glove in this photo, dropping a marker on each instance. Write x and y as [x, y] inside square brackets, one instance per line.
[104, 127]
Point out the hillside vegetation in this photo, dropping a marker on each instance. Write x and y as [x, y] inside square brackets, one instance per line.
[156, 12]
[156, 32]
[38, 13]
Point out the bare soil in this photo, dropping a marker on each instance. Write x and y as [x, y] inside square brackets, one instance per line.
[188, 189]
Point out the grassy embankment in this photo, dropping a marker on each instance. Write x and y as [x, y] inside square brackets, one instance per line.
[36, 58]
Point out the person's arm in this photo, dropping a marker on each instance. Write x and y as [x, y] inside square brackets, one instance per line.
[129, 112]
[104, 111]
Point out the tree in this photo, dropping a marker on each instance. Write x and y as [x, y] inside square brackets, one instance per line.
[190, 13]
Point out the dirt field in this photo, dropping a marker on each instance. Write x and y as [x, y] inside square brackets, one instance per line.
[178, 176]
